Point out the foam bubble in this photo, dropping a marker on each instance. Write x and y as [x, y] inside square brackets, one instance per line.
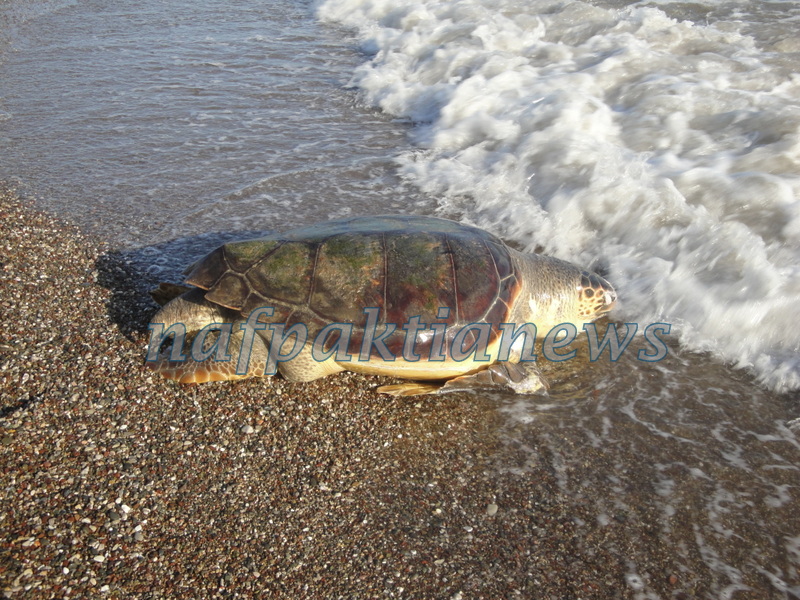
[664, 152]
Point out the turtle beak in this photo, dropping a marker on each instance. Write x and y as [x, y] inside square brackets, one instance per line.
[609, 295]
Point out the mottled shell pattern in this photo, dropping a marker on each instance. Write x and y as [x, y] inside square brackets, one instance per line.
[329, 273]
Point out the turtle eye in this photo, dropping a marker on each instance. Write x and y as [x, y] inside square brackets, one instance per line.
[597, 293]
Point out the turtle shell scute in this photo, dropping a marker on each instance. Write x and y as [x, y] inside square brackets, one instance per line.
[405, 266]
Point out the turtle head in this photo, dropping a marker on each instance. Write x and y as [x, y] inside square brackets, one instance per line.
[596, 296]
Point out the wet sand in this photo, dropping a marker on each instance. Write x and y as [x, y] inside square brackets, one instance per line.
[117, 484]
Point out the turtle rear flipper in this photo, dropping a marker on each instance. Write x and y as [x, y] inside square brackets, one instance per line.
[195, 372]
[168, 291]
[212, 369]
[199, 341]
[521, 378]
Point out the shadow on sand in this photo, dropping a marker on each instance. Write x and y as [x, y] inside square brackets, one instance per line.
[130, 274]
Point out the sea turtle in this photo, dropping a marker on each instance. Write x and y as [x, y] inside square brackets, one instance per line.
[417, 298]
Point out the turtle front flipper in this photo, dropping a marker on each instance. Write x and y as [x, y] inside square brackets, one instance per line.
[521, 378]
[412, 388]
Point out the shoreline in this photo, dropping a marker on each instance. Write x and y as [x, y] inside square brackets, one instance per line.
[117, 484]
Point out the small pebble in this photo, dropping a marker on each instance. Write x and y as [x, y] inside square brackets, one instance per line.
[491, 510]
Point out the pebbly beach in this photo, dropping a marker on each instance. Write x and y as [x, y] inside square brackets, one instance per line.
[654, 144]
[118, 484]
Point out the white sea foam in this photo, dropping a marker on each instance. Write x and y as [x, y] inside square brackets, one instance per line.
[664, 152]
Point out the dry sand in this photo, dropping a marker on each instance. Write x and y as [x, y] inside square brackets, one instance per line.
[117, 484]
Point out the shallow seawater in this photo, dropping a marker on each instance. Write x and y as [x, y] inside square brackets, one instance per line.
[170, 120]
[630, 138]
[696, 465]
[660, 151]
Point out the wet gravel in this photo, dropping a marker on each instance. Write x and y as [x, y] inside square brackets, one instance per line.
[117, 484]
